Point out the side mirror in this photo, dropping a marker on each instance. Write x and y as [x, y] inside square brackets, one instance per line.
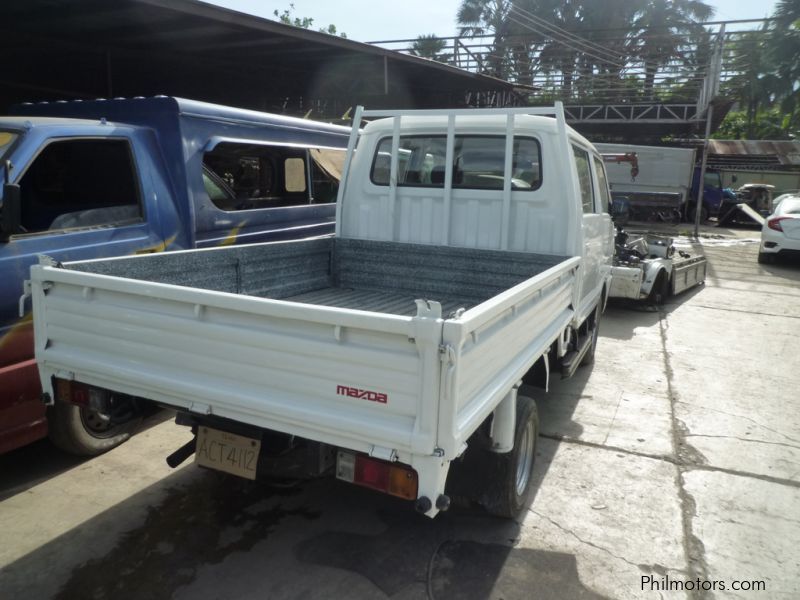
[12, 211]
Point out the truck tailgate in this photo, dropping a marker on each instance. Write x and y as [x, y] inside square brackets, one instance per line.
[350, 378]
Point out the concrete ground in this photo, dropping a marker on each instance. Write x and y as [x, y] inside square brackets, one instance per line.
[676, 458]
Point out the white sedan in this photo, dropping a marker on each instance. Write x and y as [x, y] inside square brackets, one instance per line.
[780, 233]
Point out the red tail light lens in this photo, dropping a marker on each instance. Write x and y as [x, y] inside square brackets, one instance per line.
[372, 473]
[391, 478]
[776, 223]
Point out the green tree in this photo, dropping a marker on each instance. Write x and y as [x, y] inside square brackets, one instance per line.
[286, 17]
[479, 17]
[766, 83]
[753, 83]
[661, 29]
[769, 124]
[783, 53]
[430, 46]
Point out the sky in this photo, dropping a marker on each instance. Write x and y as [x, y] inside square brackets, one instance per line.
[375, 20]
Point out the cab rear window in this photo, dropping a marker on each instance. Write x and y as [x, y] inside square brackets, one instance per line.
[478, 162]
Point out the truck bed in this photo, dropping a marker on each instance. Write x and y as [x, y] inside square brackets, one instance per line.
[281, 336]
[383, 277]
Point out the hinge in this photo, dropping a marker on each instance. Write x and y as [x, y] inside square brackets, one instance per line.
[447, 354]
[200, 408]
[47, 261]
[383, 453]
[26, 293]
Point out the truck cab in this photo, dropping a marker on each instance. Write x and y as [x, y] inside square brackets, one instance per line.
[493, 188]
[715, 196]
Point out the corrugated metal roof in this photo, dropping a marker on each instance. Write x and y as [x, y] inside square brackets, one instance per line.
[782, 152]
[56, 49]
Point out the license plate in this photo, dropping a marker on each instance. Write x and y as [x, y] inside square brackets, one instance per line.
[227, 452]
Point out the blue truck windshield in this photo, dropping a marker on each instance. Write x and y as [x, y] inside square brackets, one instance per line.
[7, 140]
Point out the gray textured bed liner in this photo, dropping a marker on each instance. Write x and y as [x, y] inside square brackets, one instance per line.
[358, 274]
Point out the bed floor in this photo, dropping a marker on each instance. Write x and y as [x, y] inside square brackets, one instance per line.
[397, 303]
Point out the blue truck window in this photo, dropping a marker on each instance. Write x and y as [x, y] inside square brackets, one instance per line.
[326, 173]
[80, 183]
[255, 176]
[7, 140]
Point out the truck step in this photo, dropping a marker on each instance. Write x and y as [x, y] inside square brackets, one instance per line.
[572, 359]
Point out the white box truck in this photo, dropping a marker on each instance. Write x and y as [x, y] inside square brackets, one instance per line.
[662, 189]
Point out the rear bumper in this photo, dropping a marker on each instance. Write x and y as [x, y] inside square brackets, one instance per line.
[780, 245]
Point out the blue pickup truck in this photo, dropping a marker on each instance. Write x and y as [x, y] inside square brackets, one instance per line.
[92, 179]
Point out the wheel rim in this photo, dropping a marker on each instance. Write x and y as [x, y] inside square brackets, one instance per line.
[525, 459]
[96, 425]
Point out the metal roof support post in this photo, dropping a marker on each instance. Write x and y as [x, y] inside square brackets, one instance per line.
[385, 75]
[698, 207]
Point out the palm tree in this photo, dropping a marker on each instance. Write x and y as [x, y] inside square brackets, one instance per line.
[783, 53]
[661, 29]
[479, 17]
[430, 46]
[606, 24]
[752, 85]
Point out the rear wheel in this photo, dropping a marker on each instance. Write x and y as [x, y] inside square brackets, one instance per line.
[765, 258]
[588, 358]
[660, 289]
[86, 432]
[511, 473]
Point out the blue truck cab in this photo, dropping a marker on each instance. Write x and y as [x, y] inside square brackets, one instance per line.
[93, 179]
[714, 195]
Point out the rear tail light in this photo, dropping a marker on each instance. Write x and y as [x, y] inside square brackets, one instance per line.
[81, 394]
[72, 392]
[391, 478]
[776, 223]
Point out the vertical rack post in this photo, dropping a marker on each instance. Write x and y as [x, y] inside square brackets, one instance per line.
[392, 208]
[351, 146]
[507, 172]
[449, 169]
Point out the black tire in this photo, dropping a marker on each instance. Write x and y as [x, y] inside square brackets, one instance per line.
[660, 290]
[766, 258]
[588, 358]
[80, 431]
[509, 490]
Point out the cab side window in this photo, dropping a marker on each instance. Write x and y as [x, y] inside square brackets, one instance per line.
[248, 176]
[80, 183]
[327, 165]
[602, 184]
[584, 178]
